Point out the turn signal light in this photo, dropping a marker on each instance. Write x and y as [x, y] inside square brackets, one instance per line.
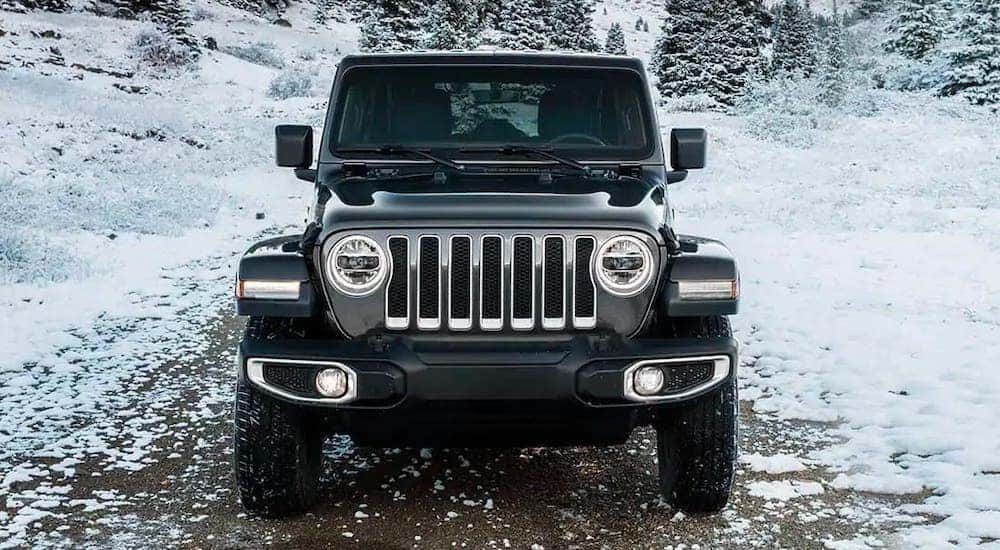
[709, 290]
[268, 290]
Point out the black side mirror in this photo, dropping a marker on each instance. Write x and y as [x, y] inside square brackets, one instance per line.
[687, 148]
[293, 145]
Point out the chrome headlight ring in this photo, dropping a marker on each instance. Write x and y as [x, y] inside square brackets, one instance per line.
[356, 265]
[623, 266]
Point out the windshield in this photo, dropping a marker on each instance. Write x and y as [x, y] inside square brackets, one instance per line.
[584, 113]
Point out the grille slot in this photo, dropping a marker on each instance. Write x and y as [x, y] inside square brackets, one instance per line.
[491, 283]
[429, 283]
[460, 283]
[397, 301]
[522, 288]
[553, 283]
[584, 290]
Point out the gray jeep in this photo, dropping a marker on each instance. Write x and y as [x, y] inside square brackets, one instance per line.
[490, 261]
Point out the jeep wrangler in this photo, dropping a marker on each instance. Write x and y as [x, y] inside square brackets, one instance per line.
[489, 260]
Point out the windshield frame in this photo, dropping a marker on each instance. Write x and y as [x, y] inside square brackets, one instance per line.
[587, 154]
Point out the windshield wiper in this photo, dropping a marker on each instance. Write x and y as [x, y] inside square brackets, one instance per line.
[400, 150]
[522, 150]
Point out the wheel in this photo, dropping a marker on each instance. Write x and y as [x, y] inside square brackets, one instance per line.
[697, 443]
[277, 446]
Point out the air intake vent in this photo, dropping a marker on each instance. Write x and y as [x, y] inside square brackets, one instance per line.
[397, 303]
[491, 283]
[553, 283]
[522, 289]
[429, 283]
[460, 283]
[584, 291]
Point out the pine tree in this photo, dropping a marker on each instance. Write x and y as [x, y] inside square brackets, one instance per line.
[794, 40]
[975, 64]
[570, 26]
[170, 16]
[449, 25]
[390, 25]
[709, 47]
[680, 59]
[46, 5]
[834, 62]
[638, 24]
[916, 29]
[868, 8]
[323, 10]
[522, 27]
[615, 44]
[736, 44]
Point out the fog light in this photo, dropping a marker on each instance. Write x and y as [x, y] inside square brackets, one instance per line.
[648, 380]
[331, 382]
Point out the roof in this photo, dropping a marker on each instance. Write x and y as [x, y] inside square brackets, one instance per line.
[495, 57]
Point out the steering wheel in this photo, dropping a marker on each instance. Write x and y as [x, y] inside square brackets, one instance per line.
[577, 137]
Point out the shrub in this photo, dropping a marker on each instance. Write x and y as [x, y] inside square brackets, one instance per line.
[156, 48]
[259, 53]
[289, 84]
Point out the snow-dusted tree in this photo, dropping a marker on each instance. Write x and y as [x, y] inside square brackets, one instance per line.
[324, 9]
[868, 8]
[169, 15]
[916, 28]
[449, 25]
[975, 63]
[735, 45]
[680, 57]
[615, 44]
[794, 39]
[47, 5]
[833, 79]
[570, 25]
[390, 25]
[709, 47]
[523, 26]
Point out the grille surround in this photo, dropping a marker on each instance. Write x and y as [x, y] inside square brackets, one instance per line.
[358, 316]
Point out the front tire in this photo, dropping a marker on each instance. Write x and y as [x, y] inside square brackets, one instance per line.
[697, 444]
[278, 448]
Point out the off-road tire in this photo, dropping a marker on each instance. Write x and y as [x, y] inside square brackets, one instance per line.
[277, 446]
[697, 443]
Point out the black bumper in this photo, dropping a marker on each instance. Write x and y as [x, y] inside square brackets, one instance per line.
[409, 390]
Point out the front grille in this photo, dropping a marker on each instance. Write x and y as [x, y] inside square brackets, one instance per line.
[292, 378]
[686, 376]
[491, 282]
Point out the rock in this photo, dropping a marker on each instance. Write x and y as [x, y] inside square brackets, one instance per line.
[112, 236]
[281, 22]
[260, 215]
[210, 43]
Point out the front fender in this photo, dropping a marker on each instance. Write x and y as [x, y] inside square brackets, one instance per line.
[700, 259]
[277, 259]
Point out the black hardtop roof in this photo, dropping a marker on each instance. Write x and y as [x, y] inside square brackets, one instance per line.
[493, 58]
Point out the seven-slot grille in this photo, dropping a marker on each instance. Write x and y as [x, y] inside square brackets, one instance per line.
[493, 282]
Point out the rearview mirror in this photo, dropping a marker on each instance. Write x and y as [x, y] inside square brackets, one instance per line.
[293, 145]
[687, 148]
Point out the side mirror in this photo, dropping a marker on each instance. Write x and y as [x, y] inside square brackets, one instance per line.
[687, 148]
[293, 145]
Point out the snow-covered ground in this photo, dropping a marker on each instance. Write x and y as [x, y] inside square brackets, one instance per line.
[870, 261]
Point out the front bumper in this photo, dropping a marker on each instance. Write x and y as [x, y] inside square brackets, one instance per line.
[510, 392]
[406, 372]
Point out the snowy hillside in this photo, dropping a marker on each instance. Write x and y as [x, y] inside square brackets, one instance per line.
[868, 235]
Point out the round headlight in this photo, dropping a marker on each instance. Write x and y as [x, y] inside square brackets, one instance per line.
[624, 266]
[356, 265]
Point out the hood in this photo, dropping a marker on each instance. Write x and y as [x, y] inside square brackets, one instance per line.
[569, 202]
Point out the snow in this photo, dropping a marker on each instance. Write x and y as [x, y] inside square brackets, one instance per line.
[776, 464]
[784, 490]
[868, 240]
